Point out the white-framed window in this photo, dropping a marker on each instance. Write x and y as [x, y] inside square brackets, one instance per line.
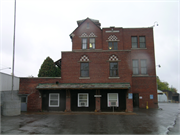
[53, 99]
[112, 100]
[83, 100]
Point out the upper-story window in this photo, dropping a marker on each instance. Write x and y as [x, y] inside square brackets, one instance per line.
[143, 67]
[87, 26]
[135, 67]
[113, 45]
[91, 43]
[142, 42]
[88, 39]
[84, 61]
[85, 69]
[134, 42]
[84, 43]
[113, 66]
[113, 69]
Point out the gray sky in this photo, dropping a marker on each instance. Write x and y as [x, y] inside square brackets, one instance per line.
[43, 28]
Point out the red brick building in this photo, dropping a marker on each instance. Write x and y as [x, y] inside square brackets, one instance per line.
[108, 68]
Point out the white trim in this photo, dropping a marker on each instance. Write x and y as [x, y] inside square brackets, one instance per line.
[112, 31]
[87, 105]
[117, 102]
[54, 99]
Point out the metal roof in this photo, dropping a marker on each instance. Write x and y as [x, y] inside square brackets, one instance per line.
[84, 86]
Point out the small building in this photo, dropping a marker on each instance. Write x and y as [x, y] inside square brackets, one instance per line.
[7, 94]
[108, 68]
[162, 96]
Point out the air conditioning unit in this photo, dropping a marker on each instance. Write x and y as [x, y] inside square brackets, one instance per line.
[113, 104]
[82, 103]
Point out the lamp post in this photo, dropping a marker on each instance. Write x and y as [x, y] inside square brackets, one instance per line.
[13, 48]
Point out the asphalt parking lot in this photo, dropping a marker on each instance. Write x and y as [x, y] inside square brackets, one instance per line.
[164, 120]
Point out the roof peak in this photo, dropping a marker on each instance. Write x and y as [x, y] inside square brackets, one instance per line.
[79, 22]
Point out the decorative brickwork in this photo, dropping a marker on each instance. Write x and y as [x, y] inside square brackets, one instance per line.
[113, 58]
[84, 58]
[112, 38]
[92, 35]
[84, 35]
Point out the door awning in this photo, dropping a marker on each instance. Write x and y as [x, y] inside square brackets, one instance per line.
[83, 86]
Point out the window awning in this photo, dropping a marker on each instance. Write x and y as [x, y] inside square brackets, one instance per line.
[84, 86]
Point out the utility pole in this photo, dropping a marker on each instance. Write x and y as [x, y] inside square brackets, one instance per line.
[13, 49]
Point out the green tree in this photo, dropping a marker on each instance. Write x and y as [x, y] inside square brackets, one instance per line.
[164, 85]
[48, 69]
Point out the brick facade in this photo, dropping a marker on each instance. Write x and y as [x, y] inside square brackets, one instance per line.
[99, 60]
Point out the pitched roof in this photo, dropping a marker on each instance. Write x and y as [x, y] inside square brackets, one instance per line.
[96, 22]
[93, 20]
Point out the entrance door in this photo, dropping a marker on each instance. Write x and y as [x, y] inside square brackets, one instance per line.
[135, 99]
[24, 103]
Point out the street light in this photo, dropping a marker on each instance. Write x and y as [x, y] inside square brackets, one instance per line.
[158, 66]
[155, 24]
[5, 68]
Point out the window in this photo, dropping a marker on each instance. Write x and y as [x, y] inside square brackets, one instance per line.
[113, 45]
[85, 69]
[113, 69]
[23, 99]
[135, 67]
[134, 42]
[83, 100]
[113, 99]
[92, 43]
[143, 67]
[87, 25]
[142, 42]
[84, 43]
[53, 99]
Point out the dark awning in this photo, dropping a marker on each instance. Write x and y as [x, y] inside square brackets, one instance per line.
[84, 86]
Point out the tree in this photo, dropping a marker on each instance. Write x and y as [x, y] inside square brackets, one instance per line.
[48, 69]
[164, 85]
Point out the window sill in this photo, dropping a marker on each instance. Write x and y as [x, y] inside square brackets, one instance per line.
[138, 48]
[140, 75]
[84, 77]
[113, 60]
[114, 77]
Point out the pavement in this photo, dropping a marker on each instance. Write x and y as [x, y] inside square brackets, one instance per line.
[164, 120]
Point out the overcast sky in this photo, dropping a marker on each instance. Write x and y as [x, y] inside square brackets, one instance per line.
[43, 28]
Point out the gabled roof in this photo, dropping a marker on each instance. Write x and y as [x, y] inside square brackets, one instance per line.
[80, 22]
[93, 20]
